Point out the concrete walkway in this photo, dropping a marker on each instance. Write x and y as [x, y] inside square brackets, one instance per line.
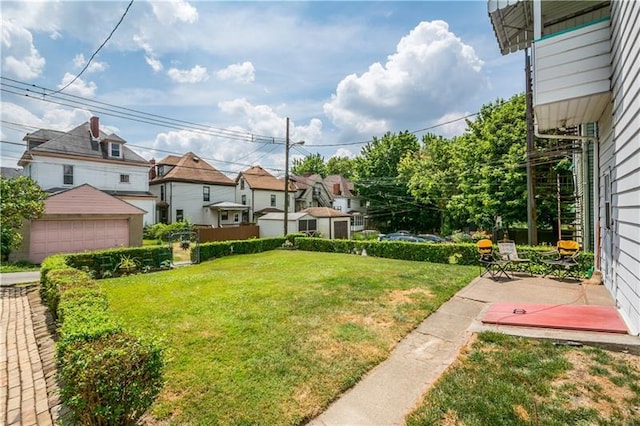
[28, 391]
[391, 390]
[13, 278]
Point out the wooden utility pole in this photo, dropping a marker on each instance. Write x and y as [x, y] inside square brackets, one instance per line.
[286, 182]
[532, 222]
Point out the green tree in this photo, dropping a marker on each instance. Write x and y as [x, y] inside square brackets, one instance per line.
[340, 166]
[311, 164]
[379, 183]
[20, 199]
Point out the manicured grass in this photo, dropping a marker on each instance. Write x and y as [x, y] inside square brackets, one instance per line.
[272, 338]
[518, 381]
[18, 267]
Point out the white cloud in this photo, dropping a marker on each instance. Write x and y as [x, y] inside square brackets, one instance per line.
[171, 11]
[343, 152]
[194, 75]
[241, 73]
[451, 124]
[154, 63]
[79, 87]
[21, 58]
[94, 66]
[431, 72]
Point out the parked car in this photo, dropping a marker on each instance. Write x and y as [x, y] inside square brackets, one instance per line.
[383, 237]
[408, 238]
[432, 238]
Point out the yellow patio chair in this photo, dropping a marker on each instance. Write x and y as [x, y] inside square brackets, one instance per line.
[492, 266]
[508, 251]
[564, 263]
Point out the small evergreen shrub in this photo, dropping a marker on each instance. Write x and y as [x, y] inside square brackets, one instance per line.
[226, 248]
[111, 380]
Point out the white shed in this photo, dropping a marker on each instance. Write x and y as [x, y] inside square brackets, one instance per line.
[272, 224]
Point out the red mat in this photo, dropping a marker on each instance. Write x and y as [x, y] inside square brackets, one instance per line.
[570, 317]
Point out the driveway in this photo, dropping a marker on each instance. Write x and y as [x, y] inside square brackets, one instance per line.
[12, 278]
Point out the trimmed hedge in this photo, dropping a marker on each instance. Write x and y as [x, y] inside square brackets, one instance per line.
[460, 253]
[104, 263]
[226, 248]
[107, 376]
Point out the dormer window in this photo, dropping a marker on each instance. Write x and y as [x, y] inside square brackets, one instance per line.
[115, 150]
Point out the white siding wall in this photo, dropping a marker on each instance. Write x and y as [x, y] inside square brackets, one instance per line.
[620, 155]
[146, 204]
[188, 198]
[48, 172]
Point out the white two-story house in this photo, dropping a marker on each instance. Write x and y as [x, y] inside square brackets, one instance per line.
[310, 191]
[189, 188]
[346, 200]
[585, 69]
[87, 155]
[262, 192]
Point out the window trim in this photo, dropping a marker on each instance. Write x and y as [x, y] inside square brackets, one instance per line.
[66, 174]
[206, 193]
[111, 146]
[125, 178]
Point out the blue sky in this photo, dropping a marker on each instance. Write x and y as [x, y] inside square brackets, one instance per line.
[342, 71]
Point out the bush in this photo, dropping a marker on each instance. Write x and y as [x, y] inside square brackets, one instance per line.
[59, 280]
[105, 263]
[111, 380]
[226, 248]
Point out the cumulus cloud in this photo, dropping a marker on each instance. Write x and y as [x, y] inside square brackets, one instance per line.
[171, 11]
[452, 124]
[21, 58]
[79, 87]
[241, 73]
[94, 66]
[194, 75]
[343, 152]
[431, 72]
[154, 63]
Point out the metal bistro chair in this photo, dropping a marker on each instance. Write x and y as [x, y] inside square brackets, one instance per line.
[492, 266]
[564, 263]
[508, 251]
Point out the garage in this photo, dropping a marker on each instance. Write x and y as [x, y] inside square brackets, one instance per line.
[81, 219]
[68, 236]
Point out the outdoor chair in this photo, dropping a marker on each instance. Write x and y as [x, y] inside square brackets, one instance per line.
[564, 263]
[492, 266]
[508, 251]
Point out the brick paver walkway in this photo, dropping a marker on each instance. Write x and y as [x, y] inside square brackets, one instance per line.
[28, 392]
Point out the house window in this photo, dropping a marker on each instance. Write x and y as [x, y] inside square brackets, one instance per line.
[224, 215]
[179, 215]
[161, 192]
[236, 217]
[273, 200]
[67, 175]
[244, 199]
[205, 193]
[348, 203]
[124, 178]
[308, 226]
[115, 150]
[241, 183]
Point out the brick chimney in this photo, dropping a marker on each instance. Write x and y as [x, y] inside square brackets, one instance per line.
[94, 127]
[152, 170]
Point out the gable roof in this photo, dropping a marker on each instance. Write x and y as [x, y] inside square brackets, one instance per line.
[77, 142]
[345, 187]
[191, 168]
[258, 178]
[325, 212]
[85, 199]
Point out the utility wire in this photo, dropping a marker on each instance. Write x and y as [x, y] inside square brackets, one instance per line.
[97, 50]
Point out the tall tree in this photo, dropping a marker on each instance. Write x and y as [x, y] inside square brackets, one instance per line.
[379, 183]
[20, 198]
[340, 166]
[311, 164]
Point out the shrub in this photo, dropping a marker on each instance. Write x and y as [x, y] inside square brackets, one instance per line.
[226, 248]
[59, 280]
[111, 380]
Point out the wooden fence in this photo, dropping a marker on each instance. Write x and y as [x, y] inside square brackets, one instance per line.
[242, 232]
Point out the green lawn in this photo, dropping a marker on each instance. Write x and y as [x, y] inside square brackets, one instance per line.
[273, 338]
[504, 380]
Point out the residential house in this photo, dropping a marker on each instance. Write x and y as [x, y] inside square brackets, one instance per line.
[78, 219]
[346, 200]
[189, 188]
[262, 192]
[59, 161]
[324, 222]
[584, 61]
[310, 191]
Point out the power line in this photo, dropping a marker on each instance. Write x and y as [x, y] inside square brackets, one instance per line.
[97, 50]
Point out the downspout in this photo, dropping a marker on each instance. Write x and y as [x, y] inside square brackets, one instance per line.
[596, 204]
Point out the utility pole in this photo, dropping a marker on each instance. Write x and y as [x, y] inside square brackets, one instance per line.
[532, 222]
[286, 182]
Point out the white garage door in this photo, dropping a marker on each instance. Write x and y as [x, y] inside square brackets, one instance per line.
[67, 236]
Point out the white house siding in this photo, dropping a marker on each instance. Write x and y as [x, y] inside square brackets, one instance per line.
[146, 204]
[188, 197]
[620, 159]
[105, 176]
